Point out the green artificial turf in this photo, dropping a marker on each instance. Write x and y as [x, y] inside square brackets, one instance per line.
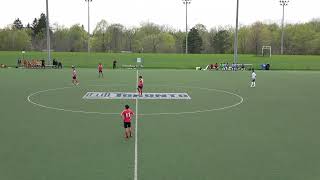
[165, 61]
[273, 134]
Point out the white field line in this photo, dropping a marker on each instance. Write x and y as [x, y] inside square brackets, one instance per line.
[61, 109]
[136, 138]
[29, 99]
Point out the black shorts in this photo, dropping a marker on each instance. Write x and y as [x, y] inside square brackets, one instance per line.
[100, 71]
[127, 124]
[74, 77]
[253, 80]
[140, 87]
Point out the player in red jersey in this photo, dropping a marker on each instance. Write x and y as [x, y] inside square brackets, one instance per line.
[126, 115]
[74, 76]
[100, 67]
[140, 85]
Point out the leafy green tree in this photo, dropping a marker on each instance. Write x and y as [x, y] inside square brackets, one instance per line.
[167, 44]
[255, 38]
[243, 38]
[101, 40]
[39, 32]
[221, 41]
[194, 41]
[179, 38]
[204, 34]
[17, 24]
[60, 39]
[14, 39]
[39, 25]
[300, 38]
[77, 38]
[116, 32]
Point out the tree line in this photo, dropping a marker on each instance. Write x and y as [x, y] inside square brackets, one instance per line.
[300, 38]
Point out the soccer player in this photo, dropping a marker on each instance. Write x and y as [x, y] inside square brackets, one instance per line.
[140, 85]
[74, 76]
[253, 78]
[126, 115]
[100, 67]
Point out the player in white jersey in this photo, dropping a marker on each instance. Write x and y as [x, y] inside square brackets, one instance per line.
[253, 79]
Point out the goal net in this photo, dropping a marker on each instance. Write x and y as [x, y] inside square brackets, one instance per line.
[266, 51]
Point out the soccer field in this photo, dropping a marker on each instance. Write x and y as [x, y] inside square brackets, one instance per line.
[226, 131]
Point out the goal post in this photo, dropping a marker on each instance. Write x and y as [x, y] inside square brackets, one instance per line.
[268, 49]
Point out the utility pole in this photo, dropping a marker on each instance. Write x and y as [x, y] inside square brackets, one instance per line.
[186, 2]
[235, 60]
[283, 3]
[88, 24]
[48, 33]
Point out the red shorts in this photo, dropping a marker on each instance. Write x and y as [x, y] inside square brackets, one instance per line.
[140, 86]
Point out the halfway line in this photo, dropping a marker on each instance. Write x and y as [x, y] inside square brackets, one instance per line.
[136, 138]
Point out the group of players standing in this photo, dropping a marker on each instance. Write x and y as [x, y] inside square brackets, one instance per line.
[127, 113]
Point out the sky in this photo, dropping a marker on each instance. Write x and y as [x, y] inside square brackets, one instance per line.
[131, 13]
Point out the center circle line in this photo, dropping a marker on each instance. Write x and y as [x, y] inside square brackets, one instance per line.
[142, 114]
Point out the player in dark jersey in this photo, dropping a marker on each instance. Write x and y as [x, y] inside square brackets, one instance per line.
[126, 115]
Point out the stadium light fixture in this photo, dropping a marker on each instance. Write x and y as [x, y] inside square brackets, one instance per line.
[235, 57]
[186, 2]
[283, 3]
[88, 24]
[48, 32]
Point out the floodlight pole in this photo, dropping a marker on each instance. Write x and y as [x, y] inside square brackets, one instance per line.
[283, 3]
[235, 60]
[48, 33]
[88, 24]
[186, 2]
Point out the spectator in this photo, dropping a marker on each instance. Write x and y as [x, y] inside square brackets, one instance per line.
[211, 66]
[114, 64]
[59, 65]
[225, 67]
[43, 65]
[234, 67]
[268, 67]
[19, 63]
[54, 63]
[216, 66]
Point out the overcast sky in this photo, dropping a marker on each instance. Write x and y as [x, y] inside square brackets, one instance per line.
[131, 13]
